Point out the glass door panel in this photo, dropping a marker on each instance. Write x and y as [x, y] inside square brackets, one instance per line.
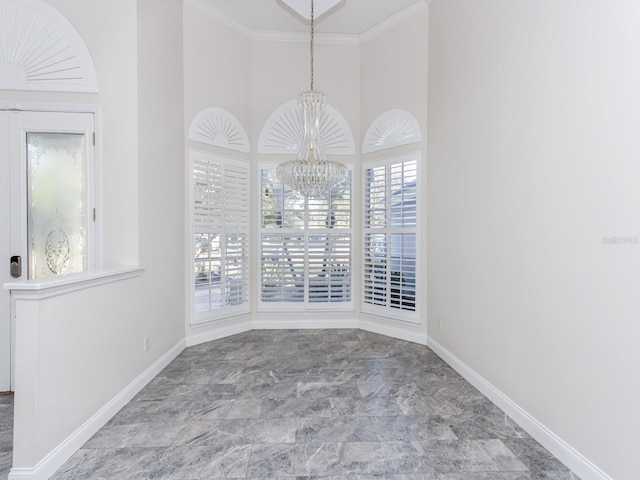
[56, 204]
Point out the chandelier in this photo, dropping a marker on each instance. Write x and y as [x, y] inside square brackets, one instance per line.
[311, 173]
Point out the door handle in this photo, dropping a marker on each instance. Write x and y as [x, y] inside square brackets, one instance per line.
[15, 268]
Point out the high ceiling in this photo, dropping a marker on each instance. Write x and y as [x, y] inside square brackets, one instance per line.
[347, 17]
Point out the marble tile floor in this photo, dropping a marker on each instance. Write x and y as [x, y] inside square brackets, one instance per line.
[6, 434]
[320, 404]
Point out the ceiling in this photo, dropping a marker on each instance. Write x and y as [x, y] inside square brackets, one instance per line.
[347, 17]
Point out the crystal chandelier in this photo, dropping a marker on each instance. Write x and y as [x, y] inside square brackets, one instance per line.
[311, 173]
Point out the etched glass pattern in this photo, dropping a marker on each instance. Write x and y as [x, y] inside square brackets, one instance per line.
[56, 204]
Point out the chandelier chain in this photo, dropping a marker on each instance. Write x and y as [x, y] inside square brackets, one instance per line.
[311, 43]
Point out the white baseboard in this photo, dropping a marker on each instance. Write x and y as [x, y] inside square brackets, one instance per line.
[393, 331]
[216, 333]
[56, 458]
[306, 324]
[564, 452]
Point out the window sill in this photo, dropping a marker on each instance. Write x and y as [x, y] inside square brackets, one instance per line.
[300, 308]
[62, 285]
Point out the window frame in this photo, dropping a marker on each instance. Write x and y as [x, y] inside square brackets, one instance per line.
[225, 311]
[305, 305]
[387, 311]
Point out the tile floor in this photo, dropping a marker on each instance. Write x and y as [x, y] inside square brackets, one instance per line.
[6, 434]
[304, 404]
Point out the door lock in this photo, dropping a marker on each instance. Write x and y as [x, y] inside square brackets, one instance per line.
[16, 266]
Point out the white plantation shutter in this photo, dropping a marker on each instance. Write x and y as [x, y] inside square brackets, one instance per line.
[282, 268]
[390, 237]
[375, 269]
[236, 197]
[329, 268]
[306, 252]
[221, 235]
[207, 194]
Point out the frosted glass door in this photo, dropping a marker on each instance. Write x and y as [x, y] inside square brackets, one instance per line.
[56, 204]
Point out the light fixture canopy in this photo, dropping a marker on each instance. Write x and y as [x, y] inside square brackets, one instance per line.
[311, 173]
[301, 7]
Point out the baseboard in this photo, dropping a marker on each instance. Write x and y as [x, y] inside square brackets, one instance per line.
[564, 452]
[306, 324]
[393, 331]
[296, 324]
[216, 333]
[56, 458]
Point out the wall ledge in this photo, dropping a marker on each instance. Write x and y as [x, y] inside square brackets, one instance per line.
[62, 285]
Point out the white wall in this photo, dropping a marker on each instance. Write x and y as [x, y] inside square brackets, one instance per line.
[217, 73]
[66, 369]
[281, 71]
[217, 68]
[534, 114]
[394, 68]
[161, 172]
[77, 352]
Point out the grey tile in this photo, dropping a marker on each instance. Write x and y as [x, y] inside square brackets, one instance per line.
[335, 429]
[226, 408]
[160, 411]
[388, 388]
[237, 432]
[296, 407]
[485, 476]
[554, 475]
[327, 389]
[425, 428]
[537, 458]
[472, 456]
[113, 436]
[156, 434]
[470, 425]
[428, 405]
[122, 463]
[415, 476]
[183, 463]
[269, 390]
[265, 430]
[229, 463]
[308, 405]
[375, 458]
[203, 433]
[6, 459]
[301, 459]
[368, 407]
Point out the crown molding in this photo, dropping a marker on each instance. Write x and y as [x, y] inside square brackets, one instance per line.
[394, 20]
[303, 37]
